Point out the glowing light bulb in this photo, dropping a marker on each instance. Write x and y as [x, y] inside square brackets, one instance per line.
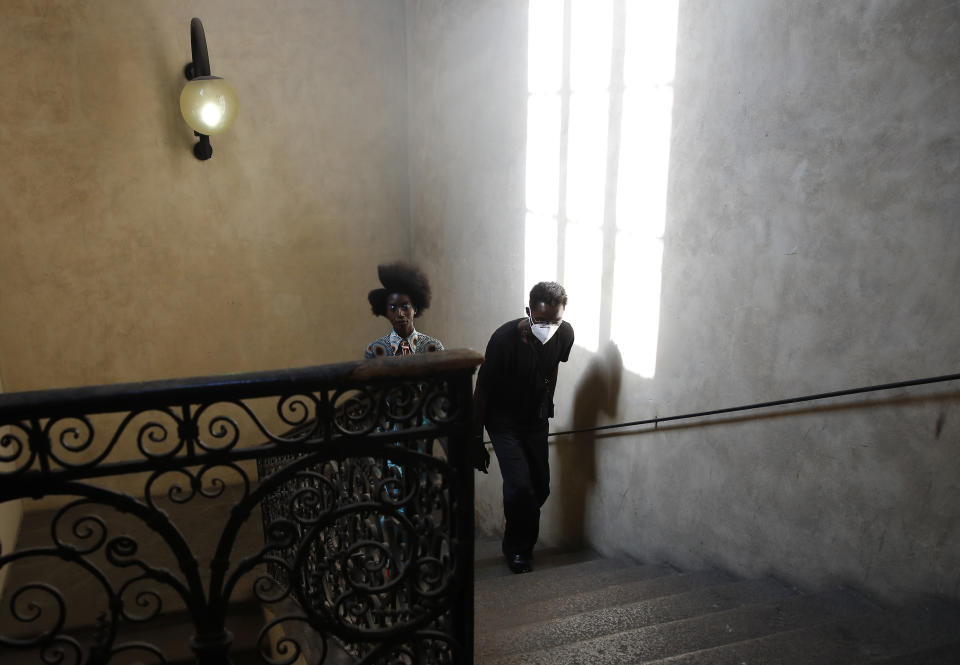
[208, 104]
[211, 114]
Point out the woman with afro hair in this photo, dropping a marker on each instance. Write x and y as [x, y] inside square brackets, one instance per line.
[404, 296]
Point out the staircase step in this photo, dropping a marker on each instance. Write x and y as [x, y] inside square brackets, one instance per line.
[858, 639]
[919, 636]
[660, 641]
[619, 618]
[508, 592]
[543, 559]
[486, 548]
[945, 654]
[929, 635]
[600, 597]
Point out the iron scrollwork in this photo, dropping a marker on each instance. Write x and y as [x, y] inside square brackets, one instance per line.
[361, 487]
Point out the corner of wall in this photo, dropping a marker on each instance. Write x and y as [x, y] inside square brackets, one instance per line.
[11, 515]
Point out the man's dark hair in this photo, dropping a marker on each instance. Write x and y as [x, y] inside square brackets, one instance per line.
[403, 278]
[550, 293]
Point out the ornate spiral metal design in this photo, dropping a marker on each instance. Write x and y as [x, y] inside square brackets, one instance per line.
[402, 404]
[63, 650]
[13, 447]
[70, 435]
[27, 608]
[369, 563]
[288, 649]
[152, 434]
[147, 602]
[296, 410]
[440, 407]
[176, 492]
[359, 501]
[356, 412]
[72, 439]
[89, 529]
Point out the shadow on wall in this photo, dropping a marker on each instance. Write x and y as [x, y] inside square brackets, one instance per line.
[596, 394]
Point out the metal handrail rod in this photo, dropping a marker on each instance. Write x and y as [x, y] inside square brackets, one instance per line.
[762, 405]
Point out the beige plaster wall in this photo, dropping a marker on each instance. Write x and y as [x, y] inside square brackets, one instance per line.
[809, 246]
[125, 258]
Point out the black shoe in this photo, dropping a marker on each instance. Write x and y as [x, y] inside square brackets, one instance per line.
[519, 563]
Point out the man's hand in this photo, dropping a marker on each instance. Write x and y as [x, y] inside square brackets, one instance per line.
[481, 456]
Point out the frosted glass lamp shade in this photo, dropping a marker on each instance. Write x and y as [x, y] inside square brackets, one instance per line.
[208, 104]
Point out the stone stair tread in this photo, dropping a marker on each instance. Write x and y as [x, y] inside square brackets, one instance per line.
[618, 618]
[859, 639]
[598, 597]
[486, 548]
[944, 654]
[544, 559]
[930, 635]
[543, 584]
[660, 641]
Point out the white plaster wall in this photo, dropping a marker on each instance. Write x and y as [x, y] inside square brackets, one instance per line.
[810, 246]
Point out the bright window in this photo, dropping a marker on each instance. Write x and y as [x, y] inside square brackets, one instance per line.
[600, 80]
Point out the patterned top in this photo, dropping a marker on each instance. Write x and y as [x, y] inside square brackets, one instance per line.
[388, 344]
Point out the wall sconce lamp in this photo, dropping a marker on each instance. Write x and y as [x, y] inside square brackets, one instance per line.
[208, 103]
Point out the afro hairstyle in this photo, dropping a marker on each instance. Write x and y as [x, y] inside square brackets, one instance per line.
[403, 278]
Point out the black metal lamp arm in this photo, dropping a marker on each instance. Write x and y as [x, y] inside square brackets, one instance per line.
[200, 66]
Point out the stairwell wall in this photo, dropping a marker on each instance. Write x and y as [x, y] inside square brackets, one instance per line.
[809, 246]
[124, 258]
[127, 259]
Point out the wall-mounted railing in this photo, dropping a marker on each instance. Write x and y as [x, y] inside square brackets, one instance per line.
[656, 422]
[358, 474]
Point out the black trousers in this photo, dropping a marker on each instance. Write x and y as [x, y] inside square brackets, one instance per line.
[524, 464]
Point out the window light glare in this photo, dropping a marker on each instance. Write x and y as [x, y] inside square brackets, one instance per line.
[578, 226]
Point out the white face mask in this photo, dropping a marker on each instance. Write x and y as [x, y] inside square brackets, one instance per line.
[543, 331]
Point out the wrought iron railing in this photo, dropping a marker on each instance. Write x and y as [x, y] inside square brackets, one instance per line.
[360, 474]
